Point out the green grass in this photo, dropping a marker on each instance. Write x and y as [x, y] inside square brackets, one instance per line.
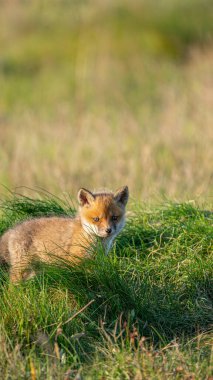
[45, 51]
[137, 73]
[150, 314]
[103, 93]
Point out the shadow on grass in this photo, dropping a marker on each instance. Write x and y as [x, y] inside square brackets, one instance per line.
[158, 278]
[161, 309]
[157, 301]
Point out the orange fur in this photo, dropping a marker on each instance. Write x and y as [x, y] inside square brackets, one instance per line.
[46, 239]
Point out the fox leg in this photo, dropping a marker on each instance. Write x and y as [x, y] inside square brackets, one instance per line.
[15, 275]
[19, 261]
[21, 274]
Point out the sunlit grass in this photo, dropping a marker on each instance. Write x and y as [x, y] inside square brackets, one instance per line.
[110, 93]
[148, 304]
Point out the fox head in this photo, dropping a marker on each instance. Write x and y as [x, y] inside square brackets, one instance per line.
[103, 213]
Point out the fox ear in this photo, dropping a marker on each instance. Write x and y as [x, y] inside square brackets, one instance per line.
[121, 195]
[85, 197]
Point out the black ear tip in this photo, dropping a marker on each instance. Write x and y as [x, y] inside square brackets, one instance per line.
[125, 189]
[82, 189]
[122, 195]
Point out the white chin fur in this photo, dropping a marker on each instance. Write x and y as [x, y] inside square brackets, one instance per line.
[92, 229]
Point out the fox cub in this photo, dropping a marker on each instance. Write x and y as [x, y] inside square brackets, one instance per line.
[100, 214]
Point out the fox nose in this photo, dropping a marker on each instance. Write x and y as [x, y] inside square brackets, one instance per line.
[109, 230]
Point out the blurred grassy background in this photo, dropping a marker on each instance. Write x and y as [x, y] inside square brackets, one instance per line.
[106, 93]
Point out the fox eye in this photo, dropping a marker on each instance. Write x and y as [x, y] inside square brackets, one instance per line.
[96, 219]
[114, 217]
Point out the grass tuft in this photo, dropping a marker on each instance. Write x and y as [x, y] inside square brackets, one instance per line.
[148, 304]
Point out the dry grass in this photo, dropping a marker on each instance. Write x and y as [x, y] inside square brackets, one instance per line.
[93, 97]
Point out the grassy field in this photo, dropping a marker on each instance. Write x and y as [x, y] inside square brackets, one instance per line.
[143, 312]
[110, 93]
[102, 93]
